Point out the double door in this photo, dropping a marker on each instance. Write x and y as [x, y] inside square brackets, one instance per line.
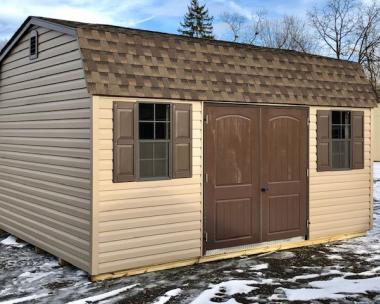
[256, 178]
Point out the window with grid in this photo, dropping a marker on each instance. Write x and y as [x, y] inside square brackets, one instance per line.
[341, 139]
[154, 140]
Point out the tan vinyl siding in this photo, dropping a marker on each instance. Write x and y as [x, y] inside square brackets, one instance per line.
[45, 150]
[376, 135]
[340, 201]
[146, 222]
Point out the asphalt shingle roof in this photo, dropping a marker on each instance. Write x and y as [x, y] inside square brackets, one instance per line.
[135, 63]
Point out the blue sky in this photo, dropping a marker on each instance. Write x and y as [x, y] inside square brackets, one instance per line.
[158, 15]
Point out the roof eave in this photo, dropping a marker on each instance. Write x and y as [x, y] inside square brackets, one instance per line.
[25, 26]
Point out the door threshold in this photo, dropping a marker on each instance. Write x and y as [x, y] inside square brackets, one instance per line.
[251, 246]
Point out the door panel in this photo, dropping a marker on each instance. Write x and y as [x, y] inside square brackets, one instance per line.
[256, 160]
[283, 172]
[232, 196]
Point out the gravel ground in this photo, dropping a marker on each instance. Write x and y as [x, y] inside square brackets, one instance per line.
[343, 272]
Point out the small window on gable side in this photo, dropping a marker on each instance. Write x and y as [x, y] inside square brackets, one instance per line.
[33, 45]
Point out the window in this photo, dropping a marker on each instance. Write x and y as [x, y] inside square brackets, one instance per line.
[154, 140]
[33, 45]
[340, 140]
[151, 141]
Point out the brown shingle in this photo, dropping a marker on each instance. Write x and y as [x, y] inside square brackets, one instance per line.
[135, 63]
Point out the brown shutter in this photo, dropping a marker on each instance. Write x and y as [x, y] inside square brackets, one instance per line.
[323, 140]
[124, 146]
[182, 147]
[357, 139]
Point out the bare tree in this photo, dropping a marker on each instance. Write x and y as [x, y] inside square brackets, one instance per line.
[350, 30]
[235, 22]
[287, 33]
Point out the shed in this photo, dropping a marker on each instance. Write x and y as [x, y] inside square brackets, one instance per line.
[124, 151]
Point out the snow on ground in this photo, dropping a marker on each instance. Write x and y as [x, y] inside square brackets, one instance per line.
[343, 272]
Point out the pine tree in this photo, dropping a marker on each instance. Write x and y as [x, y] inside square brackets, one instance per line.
[197, 22]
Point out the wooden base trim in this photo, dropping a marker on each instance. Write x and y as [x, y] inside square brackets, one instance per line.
[223, 256]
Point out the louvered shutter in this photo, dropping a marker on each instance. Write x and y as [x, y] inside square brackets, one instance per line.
[182, 146]
[323, 140]
[124, 142]
[357, 121]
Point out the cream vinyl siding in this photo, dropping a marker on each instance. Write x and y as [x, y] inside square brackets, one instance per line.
[45, 166]
[145, 222]
[376, 133]
[340, 201]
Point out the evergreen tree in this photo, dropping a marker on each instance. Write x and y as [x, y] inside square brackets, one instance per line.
[197, 22]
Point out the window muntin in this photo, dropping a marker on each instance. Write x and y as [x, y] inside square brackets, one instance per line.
[341, 139]
[154, 140]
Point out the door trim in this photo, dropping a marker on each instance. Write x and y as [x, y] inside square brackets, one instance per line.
[205, 122]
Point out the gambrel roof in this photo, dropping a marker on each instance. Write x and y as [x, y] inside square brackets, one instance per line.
[137, 63]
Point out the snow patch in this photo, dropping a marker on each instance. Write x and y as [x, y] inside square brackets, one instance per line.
[12, 241]
[259, 266]
[25, 299]
[168, 295]
[333, 289]
[102, 296]
[334, 257]
[31, 277]
[229, 288]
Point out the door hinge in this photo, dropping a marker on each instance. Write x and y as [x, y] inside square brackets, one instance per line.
[308, 121]
[206, 237]
[307, 172]
[206, 178]
[307, 223]
[206, 119]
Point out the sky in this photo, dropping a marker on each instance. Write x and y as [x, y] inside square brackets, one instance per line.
[157, 15]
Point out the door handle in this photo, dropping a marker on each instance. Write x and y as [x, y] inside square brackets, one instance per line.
[264, 189]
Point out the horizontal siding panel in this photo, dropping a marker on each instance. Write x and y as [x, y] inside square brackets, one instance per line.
[149, 221]
[52, 197]
[45, 159]
[82, 143]
[148, 211]
[46, 98]
[148, 192]
[148, 202]
[62, 170]
[43, 81]
[148, 250]
[71, 133]
[47, 124]
[320, 204]
[342, 186]
[74, 208]
[49, 108]
[42, 151]
[147, 241]
[354, 215]
[50, 177]
[110, 186]
[325, 231]
[110, 236]
[63, 86]
[58, 116]
[65, 223]
[338, 209]
[42, 64]
[149, 260]
[357, 177]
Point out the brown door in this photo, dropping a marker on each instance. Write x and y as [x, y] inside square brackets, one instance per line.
[232, 188]
[256, 183]
[283, 172]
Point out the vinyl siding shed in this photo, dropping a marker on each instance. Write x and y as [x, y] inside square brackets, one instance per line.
[124, 151]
